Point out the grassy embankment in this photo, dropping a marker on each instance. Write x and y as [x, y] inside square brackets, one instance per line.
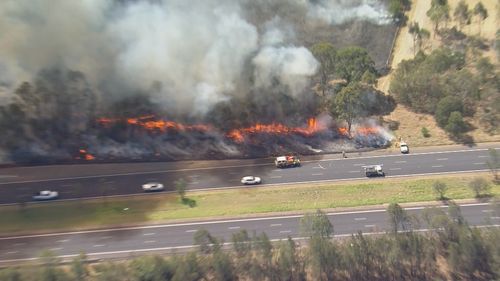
[57, 216]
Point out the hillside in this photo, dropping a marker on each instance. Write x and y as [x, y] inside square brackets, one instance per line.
[410, 123]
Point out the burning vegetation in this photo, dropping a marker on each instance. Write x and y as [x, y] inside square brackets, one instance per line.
[241, 83]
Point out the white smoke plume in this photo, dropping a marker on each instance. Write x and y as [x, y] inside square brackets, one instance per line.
[187, 55]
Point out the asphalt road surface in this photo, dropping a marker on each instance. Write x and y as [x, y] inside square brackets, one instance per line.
[171, 238]
[18, 184]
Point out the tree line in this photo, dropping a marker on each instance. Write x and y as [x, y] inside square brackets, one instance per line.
[450, 250]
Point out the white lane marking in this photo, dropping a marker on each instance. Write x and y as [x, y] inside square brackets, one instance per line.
[191, 230]
[399, 162]
[106, 237]
[56, 249]
[150, 241]
[487, 211]
[12, 252]
[359, 219]
[359, 164]
[275, 177]
[233, 227]
[479, 163]
[369, 225]
[394, 169]
[495, 218]
[63, 241]
[437, 166]
[8, 176]
[285, 231]
[195, 182]
[354, 171]
[275, 224]
[149, 234]
[316, 167]
[220, 222]
[109, 182]
[482, 156]
[442, 159]
[98, 245]
[19, 244]
[233, 173]
[321, 166]
[317, 174]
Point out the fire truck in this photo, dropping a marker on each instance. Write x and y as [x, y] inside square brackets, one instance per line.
[287, 161]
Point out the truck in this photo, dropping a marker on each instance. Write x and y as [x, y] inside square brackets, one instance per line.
[287, 161]
[374, 171]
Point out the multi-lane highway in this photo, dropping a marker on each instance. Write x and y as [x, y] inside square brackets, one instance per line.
[96, 180]
[78, 181]
[125, 242]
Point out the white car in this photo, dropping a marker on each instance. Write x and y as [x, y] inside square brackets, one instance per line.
[152, 186]
[251, 180]
[45, 195]
[404, 148]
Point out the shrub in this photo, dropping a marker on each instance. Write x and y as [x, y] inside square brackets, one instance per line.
[445, 107]
[456, 124]
[425, 132]
[440, 188]
[479, 186]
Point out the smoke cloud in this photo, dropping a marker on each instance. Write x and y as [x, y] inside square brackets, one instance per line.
[188, 57]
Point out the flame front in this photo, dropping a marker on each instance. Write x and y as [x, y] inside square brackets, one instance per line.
[238, 135]
[151, 123]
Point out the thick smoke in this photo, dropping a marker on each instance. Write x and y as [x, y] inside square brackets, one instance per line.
[188, 57]
[224, 62]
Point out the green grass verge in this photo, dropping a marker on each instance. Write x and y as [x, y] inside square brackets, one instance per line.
[86, 214]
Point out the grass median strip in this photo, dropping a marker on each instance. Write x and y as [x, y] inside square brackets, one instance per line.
[96, 213]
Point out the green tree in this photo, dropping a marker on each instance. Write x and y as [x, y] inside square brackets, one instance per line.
[187, 268]
[445, 107]
[462, 13]
[481, 13]
[112, 271]
[419, 35]
[456, 124]
[206, 242]
[479, 186]
[10, 274]
[438, 12]
[325, 53]
[151, 268]
[316, 224]
[440, 188]
[49, 268]
[242, 243]
[289, 263]
[399, 220]
[352, 63]
[359, 101]
[223, 266]
[485, 69]
[397, 8]
[79, 267]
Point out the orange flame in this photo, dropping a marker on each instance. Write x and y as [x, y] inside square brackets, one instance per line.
[155, 125]
[85, 155]
[238, 135]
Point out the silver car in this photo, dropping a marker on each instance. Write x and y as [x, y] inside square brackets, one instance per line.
[251, 180]
[152, 186]
[45, 195]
